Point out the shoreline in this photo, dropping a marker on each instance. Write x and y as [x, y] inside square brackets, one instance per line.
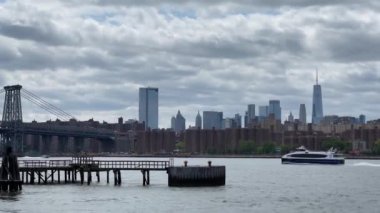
[349, 157]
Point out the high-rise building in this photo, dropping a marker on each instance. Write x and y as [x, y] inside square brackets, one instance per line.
[180, 122]
[212, 119]
[238, 120]
[317, 114]
[291, 117]
[263, 111]
[148, 107]
[228, 123]
[246, 119]
[302, 114]
[198, 121]
[251, 112]
[172, 122]
[362, 119]
[275, 108]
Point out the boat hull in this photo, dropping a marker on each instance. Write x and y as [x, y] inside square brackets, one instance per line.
[311, 161]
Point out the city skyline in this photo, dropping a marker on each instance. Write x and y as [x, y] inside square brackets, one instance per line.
[91, 60]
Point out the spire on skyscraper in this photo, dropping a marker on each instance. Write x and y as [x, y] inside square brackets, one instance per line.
[316, 76]
[198, 121]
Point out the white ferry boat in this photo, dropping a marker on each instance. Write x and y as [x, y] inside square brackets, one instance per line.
[302, 155]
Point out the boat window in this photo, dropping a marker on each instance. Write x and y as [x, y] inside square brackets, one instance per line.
[308, 155]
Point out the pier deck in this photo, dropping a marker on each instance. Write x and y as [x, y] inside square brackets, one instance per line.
[73, 171]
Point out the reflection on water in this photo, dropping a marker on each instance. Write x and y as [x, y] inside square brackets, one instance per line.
[10, 196]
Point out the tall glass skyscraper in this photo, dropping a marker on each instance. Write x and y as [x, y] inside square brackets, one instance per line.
[251, 112]
[212, 119]
[148, 107]
[302, 114]
[275, 108]
[317, 114]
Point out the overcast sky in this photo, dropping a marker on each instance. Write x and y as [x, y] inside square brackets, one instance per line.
[90, 57]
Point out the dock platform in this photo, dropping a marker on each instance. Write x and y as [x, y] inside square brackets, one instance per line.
[85, 169]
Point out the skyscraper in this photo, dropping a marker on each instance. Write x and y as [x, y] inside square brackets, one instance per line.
[180, 122]
[263, 111]
[251, 112]
[198, 121]
[275, 108]
[317, 114]
[302, 114]
[238, 120]
[291, 117]
[148, 107]
[362, 119]
[212, 119]
[246, 119]
[172, 123]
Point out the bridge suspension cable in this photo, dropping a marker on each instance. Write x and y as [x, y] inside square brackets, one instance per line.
[62, 115]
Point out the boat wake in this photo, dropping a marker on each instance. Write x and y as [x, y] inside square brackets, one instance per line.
[366, 164]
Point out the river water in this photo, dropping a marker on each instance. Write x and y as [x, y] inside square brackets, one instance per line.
[252, 185]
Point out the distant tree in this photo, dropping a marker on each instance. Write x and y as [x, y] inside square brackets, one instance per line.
[212, 151]
[342, 146]
[180, 145]
[269, 148]
[285, 149]
[376, 148]
[246, 147]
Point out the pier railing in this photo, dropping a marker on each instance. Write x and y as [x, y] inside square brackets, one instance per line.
[100, 164]
[158, 165]
[43, 163]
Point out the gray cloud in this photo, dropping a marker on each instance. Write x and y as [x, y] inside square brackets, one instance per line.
[90, 58]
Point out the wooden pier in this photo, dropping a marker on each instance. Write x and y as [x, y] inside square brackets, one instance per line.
[82, 169]
[85, 170]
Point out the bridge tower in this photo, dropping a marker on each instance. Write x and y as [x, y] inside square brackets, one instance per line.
[12, 119]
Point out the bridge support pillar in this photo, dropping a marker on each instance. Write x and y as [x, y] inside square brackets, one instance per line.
[54, 144]
[71, 145]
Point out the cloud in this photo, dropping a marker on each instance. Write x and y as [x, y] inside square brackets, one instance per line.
[90, 57]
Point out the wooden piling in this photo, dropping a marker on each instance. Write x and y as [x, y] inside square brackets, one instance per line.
[108, 176]
[46, 177]
[119, 177]
[26, 176]
[81, 173]
[39, 177]
[97, 176]
[144, 177]
[115, 177]
[73, 176]
[89, 177]
[148, 178]
[32, 177]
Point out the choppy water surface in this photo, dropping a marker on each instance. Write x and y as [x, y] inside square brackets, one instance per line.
[253, 185]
